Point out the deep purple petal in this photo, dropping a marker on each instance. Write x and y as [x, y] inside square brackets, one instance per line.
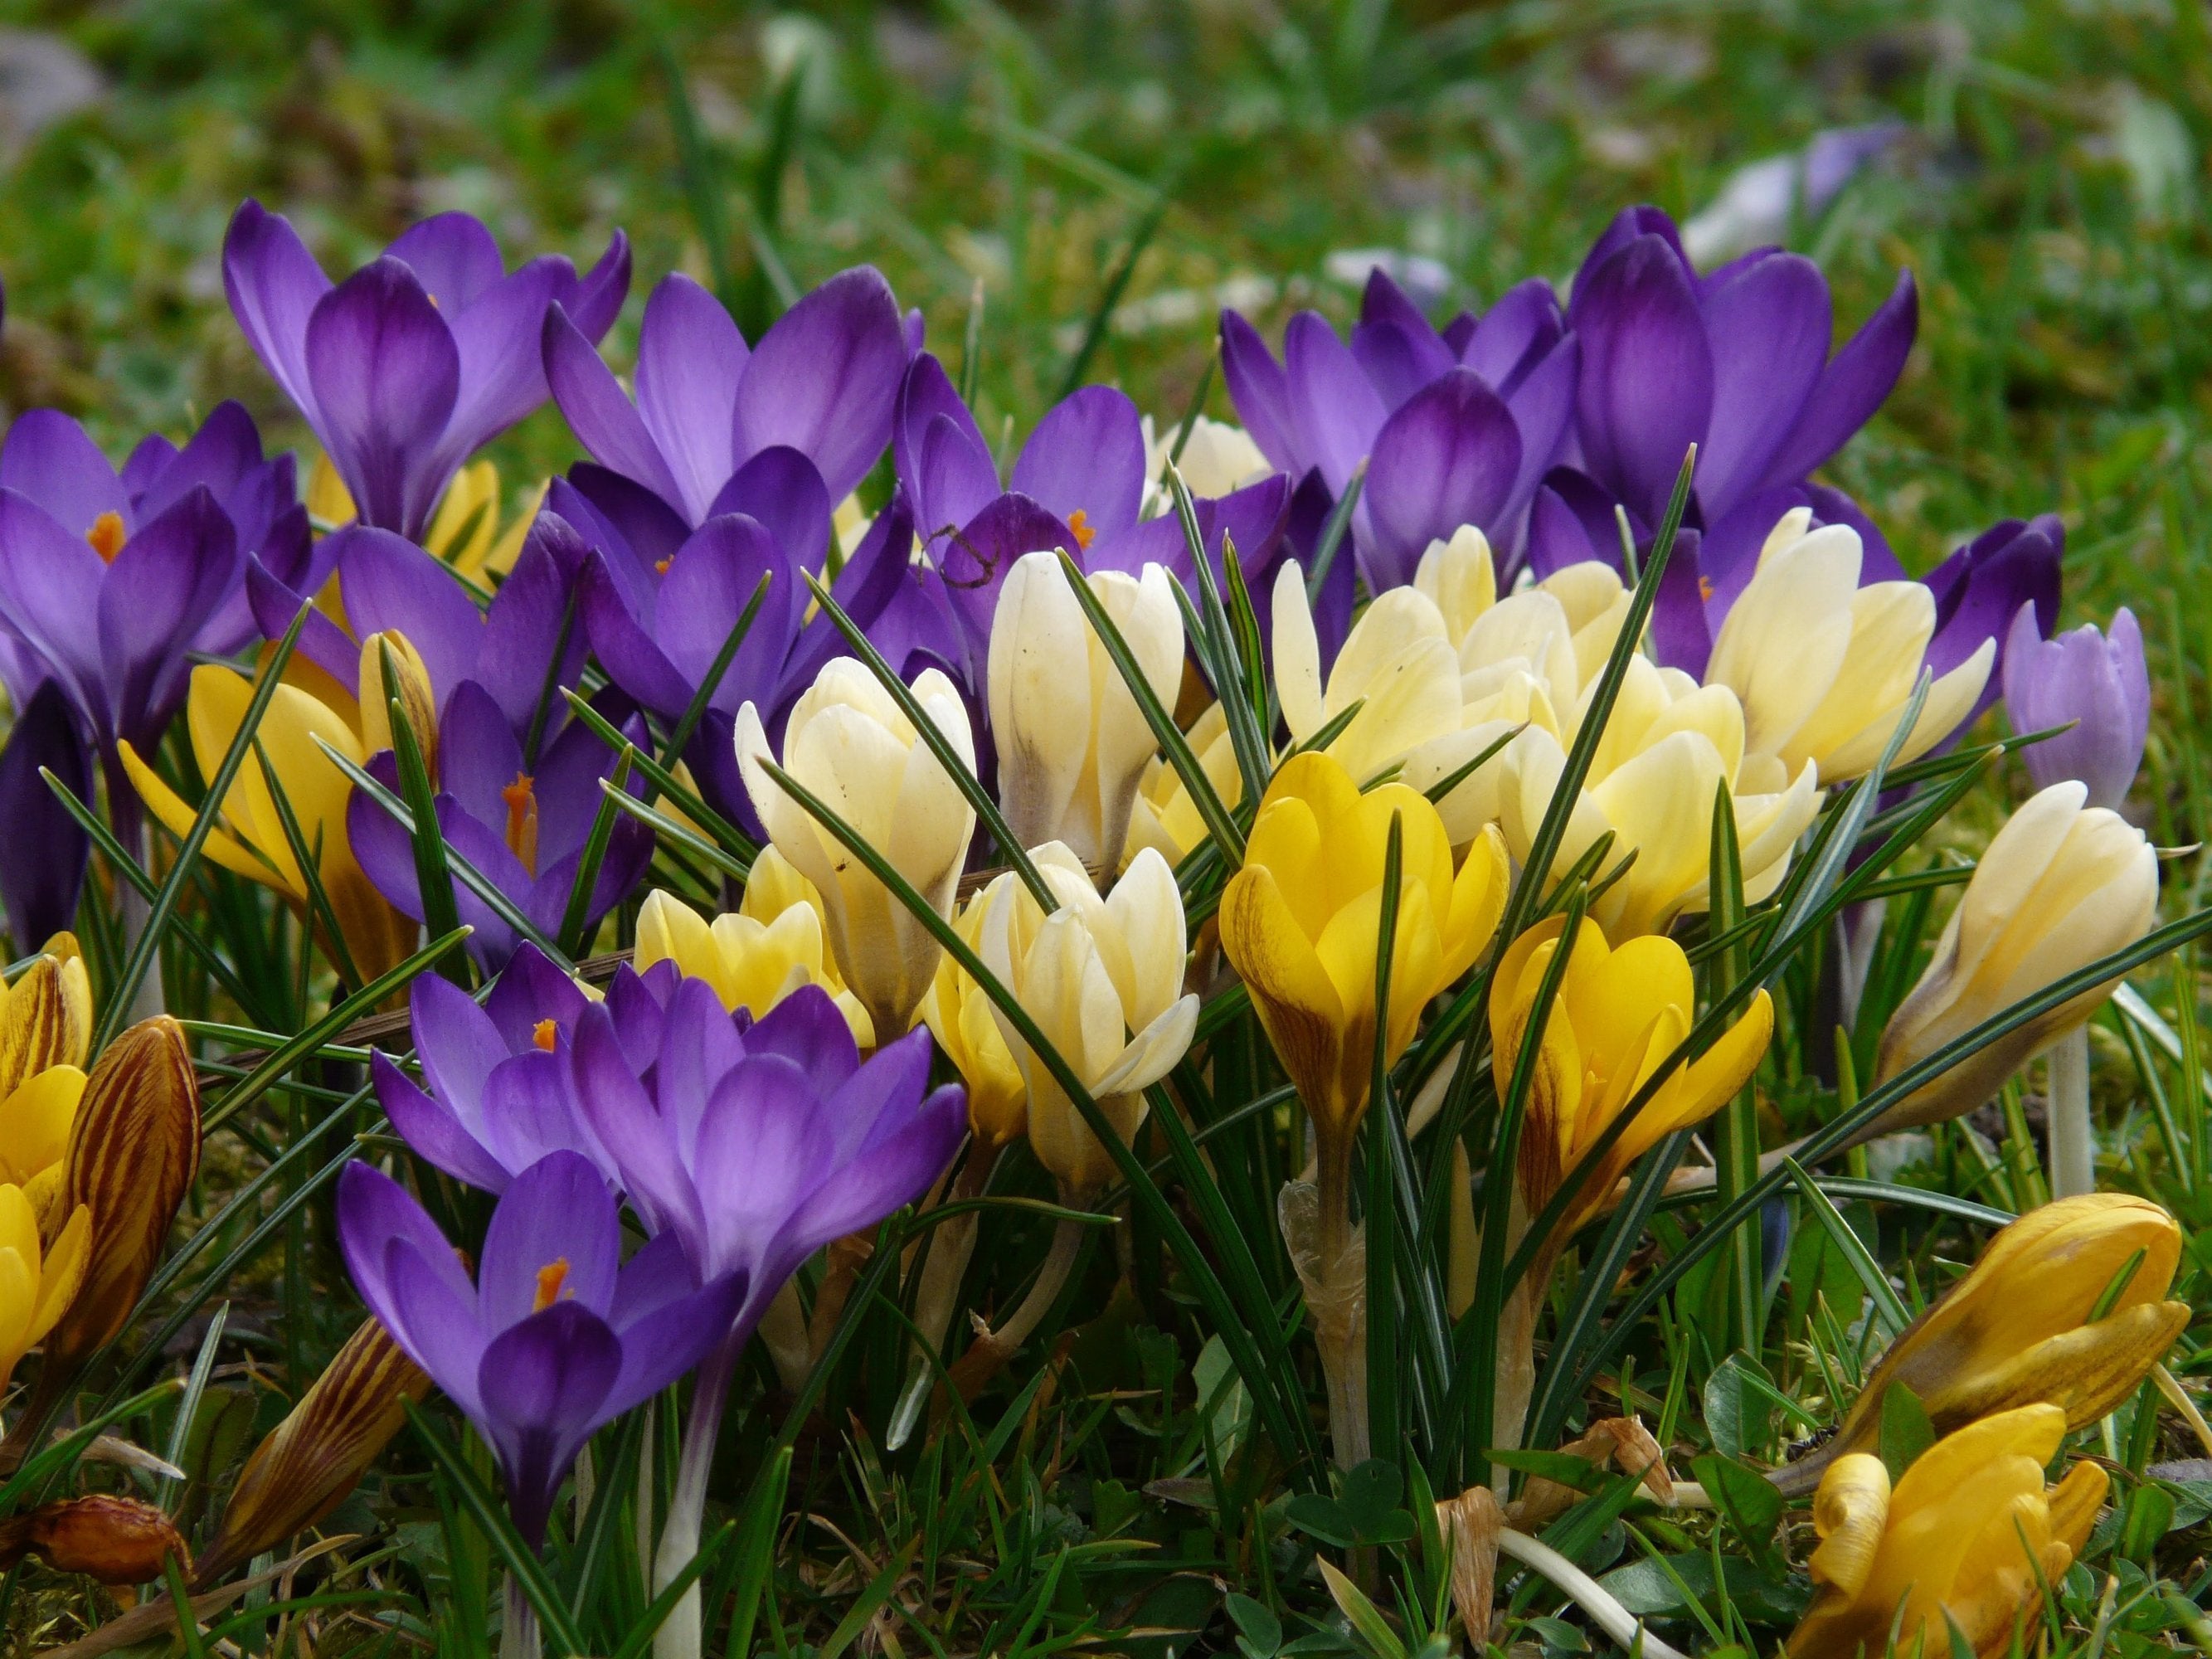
[1681, 636]
[628, 1125]
[1449, 458]
[600, 291]
[895, 1170]
[1514, 334]
[502, 366]
[380, 843]
[926, 393]
[479, 752]
[625, 647]
[1262, 393]
[1543, 406]
[458, 1044]
[50, 584]
[533, 989]
[389, 584]
[543, 1385]
[1646, 390]
[602, 419]
[956, 481]
[780, 488]
[557, 1212]
[1336, 412]
[705, 593]
[274, 286]
[385, 373]
[48, 459]
[1768, 328]
[433, 1132]
[690, 358]
[824, 378]
[162, 587]
[374, 1212]
[974, 560]
[663, 1343]
[762, 1151]
[453, 256]
[1853, 385]
[1629, 224]
[529, 617]
[42, 859]
[1394, 341]
[806, 1030]
[1087, 456]
[222, 454]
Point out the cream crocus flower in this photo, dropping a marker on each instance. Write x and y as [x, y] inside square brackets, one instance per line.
[36, 1286]
[2017, 1330]
[847, 743]
[1669, 747]
[249, 839]
[759, 954]
[1397, 665]
[959, 1014]
[1967, 1539]
[1072, 743]
[2062, 884]
[1217, 459]
[1824, 667]
[1102, 978]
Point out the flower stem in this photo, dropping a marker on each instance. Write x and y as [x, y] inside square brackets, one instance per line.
[1059, 1262]
[518, 1636]
[2072, 1155]
[1586, 1592]
[680, 1638]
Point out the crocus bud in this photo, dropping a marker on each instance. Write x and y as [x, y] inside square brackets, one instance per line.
[1072, 743]
[958, 1012]
[1958, 1552]
[1619, 1012]
[37, 1283]
[312, 1459]
[410, 683]
[1824, 667]
[847, 743]
[2061, 885]
[2017, 1329]
[753, 960]
[1301, 920]
[133, 1151]
[1102, 978]
[2098, 682]
[117, 1541]
[1217, 456]
[46, 1016]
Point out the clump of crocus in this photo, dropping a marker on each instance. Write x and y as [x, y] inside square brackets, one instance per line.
[1956, 1555]
[499, 1097]
[2062, 884]
[1071, 741]
[418, 359]
[755, 955]
[1301, 922]
[850, 746]
[749, 1144]
[309, 1462]
[2028, 1324]
[1618, 1016]
[555, 1336]
[2096, 682]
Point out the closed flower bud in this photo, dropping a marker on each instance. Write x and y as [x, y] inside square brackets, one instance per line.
[848, 745]
[2095, 681]
[314, 1457]
[960, 1016]
[117, 1541]
[2061, 885]
[1958, 1552]
[2017, 1330]
[1302, 921]
[410, 683]
[1618, 1014]
[1826, 668]
[1103, 979]
[46, 1016]
[133, 1151]
[757, 955]
[1072, 742]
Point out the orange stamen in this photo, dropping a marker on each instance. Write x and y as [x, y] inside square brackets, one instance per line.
[542, 1034]
[107, 535]
[1705, 588]
[522, 820]
[660, 566]
[1078, 525]
[552, 1279]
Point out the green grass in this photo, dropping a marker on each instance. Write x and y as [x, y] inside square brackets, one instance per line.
[2049, 196]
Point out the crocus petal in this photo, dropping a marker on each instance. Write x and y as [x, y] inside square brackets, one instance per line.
[663, 1344]
[453, 256]
[163, 586]
[50, 585]
[1853, 385]
[625, 649]
[781, 489]
[1337, 410]
[543, 1385]
[1768, 326]
[557, 1211]
[274, 286]
[1449, 458]
[1647, 374]
[1087, 455]
[1262, 393]
[386, 373]
[603, 421]
[434, 1133]
[391, 585]
[690, 358]
[48, 458]
[953, 489]
[824, 378]
[42, 861]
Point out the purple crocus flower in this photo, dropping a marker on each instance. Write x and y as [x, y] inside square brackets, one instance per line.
[498, 1095]
[1079, 484]
[42, 857]
[556, 1337]
[417, 359]
[1981, 587]
[2098, 682]
[522, 824]
[819, 384]
[1736, 362]
[1457, 426]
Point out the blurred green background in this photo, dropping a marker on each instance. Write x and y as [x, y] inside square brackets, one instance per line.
[2049, 191]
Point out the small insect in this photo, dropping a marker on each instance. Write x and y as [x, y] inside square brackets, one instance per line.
[1811, 1443]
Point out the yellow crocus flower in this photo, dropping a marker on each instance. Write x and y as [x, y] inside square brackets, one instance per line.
[1619, 1012]
[1825, 666]
[757, 955]
[249, 838]
[2062, 884]
[2017, 1329]
[1968, 1537]
[46, 1027]
[36, 1286]
[959, 1016]
[1301, 922]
